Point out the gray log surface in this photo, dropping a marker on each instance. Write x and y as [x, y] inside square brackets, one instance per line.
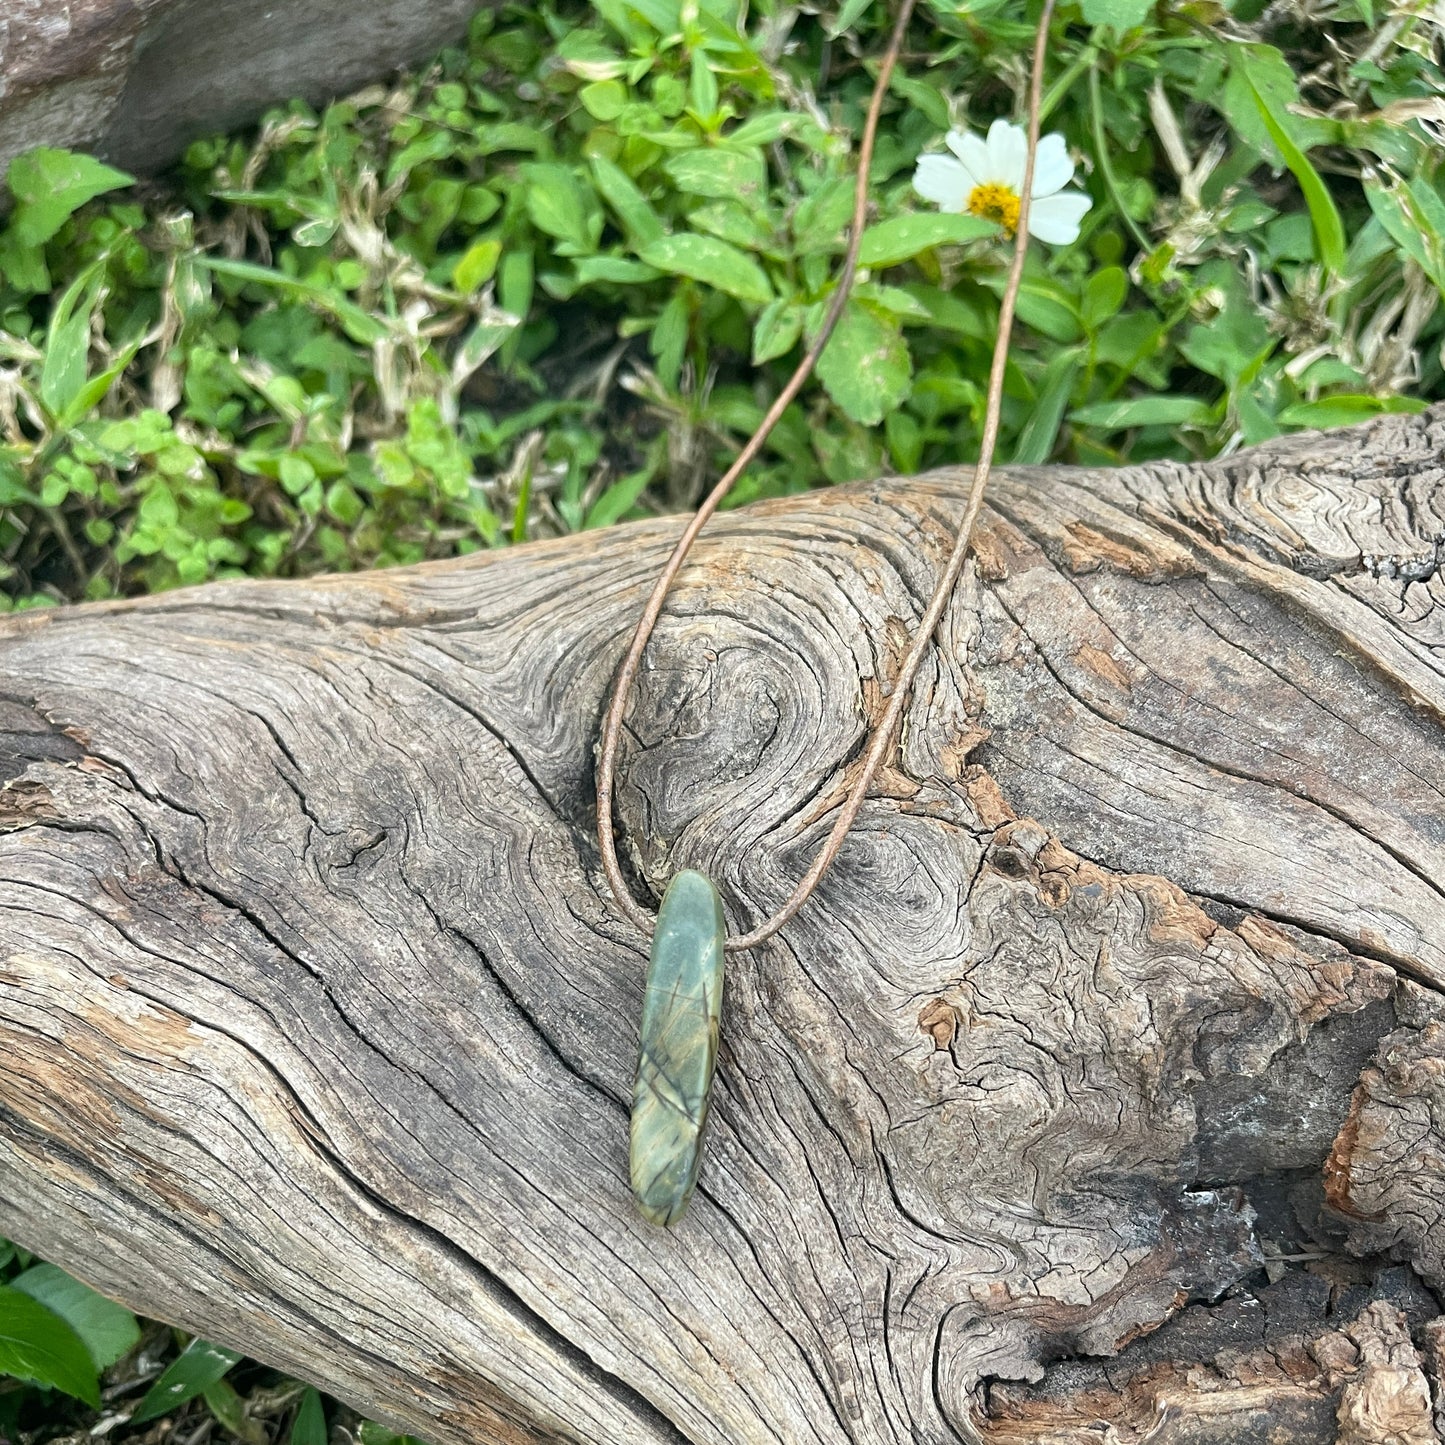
[1100, 1089]
[136, 80]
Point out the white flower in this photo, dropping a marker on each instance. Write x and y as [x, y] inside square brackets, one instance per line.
[986, 177]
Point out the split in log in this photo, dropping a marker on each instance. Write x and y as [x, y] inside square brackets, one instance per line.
[1099, 1094]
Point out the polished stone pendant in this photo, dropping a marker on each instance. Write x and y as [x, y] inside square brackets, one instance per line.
[678, 1047]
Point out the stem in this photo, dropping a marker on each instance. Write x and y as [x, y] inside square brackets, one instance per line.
[1071, 72]
[1101, 149]
[883, 740]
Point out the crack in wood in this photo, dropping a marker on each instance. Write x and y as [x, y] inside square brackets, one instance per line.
[307, 986]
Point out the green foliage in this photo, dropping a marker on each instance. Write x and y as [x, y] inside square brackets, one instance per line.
[865, 365]
[55, 1332]
[107, 1330]
[48, 187]
[371, 1433]
[309, 1425]
[199, 1367]
[64, 1349]
[555, 280]
[37, 1344]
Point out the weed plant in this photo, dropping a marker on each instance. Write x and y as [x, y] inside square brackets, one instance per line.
[553, 279]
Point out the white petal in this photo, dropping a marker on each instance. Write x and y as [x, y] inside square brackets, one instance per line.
[1008, 147]
[971, 150]
[943, 180]
[1056, 218]
[1053, 169]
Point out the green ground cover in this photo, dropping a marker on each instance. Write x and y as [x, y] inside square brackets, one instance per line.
[76, 1367]
[554, 279]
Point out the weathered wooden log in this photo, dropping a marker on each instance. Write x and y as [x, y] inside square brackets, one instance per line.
[137, 79]
[1099, 1094]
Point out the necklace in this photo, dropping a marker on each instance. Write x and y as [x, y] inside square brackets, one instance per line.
[682, 1002]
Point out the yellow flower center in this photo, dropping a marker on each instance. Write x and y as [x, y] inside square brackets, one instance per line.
[995, 202]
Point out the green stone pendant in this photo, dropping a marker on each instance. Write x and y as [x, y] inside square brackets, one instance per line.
[678, 1047]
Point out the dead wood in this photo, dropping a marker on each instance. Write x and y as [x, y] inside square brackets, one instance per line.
[136, 80]
[1099, 1095]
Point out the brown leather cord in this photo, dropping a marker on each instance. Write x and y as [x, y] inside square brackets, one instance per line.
[883, 735]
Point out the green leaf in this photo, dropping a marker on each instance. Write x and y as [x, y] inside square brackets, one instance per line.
[618, 499]
[97, 387]
[851, 13]
[557, 204]
[714, 262]
[1049, 309]
[200, 1364]
[1263, 71]
[904, 237]
[108, 1330]
[617, 269]
[776, 330]
[361, 326]
[1398, 209]
[1329, 230]
[158, 509]
[894, 300]
[641, 222]
[865, 366]
[229, 1410]
[721, 174]
[1103, 296]
[1118, 14]
[67, 343]
[51, 185]
[344, 504]
[702, 91]
[370, 1433]
[1036, 440]
[738, 225]
[476, 265]
[669, 339]
[585, 53]
[1236, 337]
[309, 1426]
[821, 220]
[509, 136]
[13, 490]
[925, 96]
[905, 441]
[22, 267]
[481, 343]
[1332, 411]
[514, 282]
[315, 232]
[1256, 421]
[37, 1345]
[771, 125]
[295, 474]
[949, 312]
[604, 99]
[1145, 411]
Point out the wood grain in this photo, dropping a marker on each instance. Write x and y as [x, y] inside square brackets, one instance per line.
[1121, 1006]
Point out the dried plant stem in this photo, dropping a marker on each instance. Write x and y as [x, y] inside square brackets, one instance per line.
[886, 730]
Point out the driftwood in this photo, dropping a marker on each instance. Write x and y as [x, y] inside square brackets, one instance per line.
[1098, 1096]
[137, 79]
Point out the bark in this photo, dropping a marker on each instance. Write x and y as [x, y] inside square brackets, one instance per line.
[1099, 1095]
[138, 79]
